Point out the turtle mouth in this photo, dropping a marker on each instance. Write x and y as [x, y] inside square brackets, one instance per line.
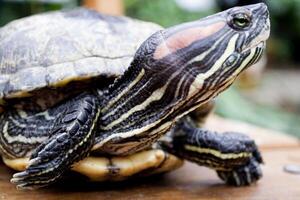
[260, 40]
[259, 49]
[261, 45]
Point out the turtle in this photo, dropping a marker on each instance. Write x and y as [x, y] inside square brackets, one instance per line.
[111, 97]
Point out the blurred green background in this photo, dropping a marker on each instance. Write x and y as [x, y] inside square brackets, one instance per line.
[269, 96]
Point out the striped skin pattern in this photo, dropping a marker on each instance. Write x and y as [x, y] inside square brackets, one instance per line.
[174, 71]
[154, 93]
[24, 131]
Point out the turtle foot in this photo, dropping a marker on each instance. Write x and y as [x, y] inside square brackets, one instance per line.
[71, 140]
[244, 175]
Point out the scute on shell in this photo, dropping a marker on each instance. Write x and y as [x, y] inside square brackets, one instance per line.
[55, 48]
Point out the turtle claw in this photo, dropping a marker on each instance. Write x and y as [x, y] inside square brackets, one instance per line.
[21, 185]
[34, 161]
[19, 182]
[244, 175]
[19, 175]
[35, 177]
[41, 172]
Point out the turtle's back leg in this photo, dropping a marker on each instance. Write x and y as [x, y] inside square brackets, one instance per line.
[72, 137]
[22, 131]
[234, 156]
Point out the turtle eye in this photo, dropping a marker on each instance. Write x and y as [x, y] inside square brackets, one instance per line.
[240, 21]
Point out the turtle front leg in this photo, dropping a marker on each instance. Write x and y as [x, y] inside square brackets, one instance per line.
[234, 156]
[71, 140]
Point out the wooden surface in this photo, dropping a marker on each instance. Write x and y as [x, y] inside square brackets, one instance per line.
[188, 182]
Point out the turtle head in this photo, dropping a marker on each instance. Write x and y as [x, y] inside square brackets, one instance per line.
[209, 53]
[182, 67]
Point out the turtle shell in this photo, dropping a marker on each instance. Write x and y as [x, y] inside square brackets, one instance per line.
[54, 49]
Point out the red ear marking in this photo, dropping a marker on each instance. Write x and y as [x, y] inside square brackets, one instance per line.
[184, 38]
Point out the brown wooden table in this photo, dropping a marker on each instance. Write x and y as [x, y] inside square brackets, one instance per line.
[188, 182]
